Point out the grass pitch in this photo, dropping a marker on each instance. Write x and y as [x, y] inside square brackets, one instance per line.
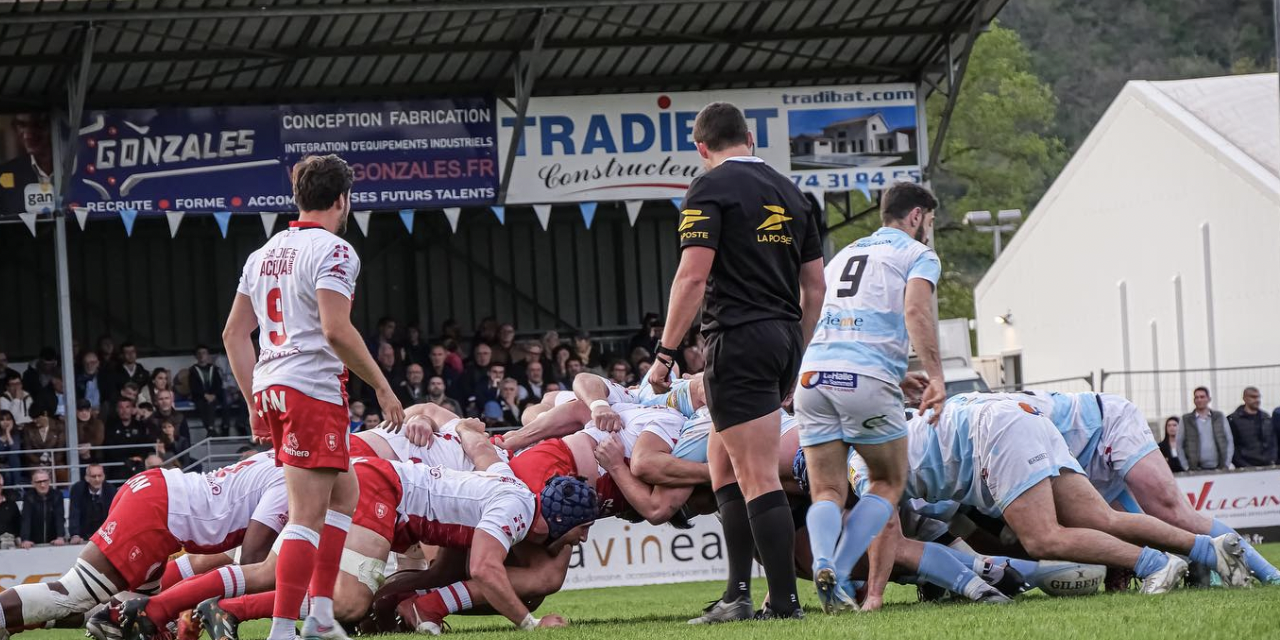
[660, 612]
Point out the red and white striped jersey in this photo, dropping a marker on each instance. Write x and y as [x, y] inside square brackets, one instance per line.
[209, 512]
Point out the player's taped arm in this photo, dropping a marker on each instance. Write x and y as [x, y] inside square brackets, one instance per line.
[813, 289]
[652, 462]
[237, 339]
[488, 572]
[594, 391]
[335, 321]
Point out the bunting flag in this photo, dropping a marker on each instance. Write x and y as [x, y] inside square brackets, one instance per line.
[406, 216]
[30, 220]
[676, 202]
[588, 212]
[82, 216]
[223, 218]
[453, 213]
[821, 197]
[268, 222]
[362, 221]
[543, 211]
[175, 220]
[127, 216]
[865, 188]
[501, 212]
[633, 210]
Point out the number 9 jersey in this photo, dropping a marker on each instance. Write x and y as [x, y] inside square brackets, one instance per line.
[863, 327]
[283, 279]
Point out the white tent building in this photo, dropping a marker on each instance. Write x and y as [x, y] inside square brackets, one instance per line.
[1158, 247]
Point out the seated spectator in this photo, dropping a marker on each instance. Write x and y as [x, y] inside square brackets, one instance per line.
[48, 437]
[647, 337]
[1169, 447]
[152, 461]
[16, 401]
[531, 352]
[371, 421]
[450, 330]
[89, 382]
[486, 331]
[170, 443]
[129, 392]
[384, 335]
[165, 411]
[125, 429]
[54, 396]
[1252, 432]
[246, 451]
[552, 386]
[493, 384]
[355, 413]
[40, 374]
[90, 433]
[1206, 437]
[550, 342]
[476, 376]
[504, 411]
[587, 354]
[438, 365]
[42, 514]
[90, 500]
[412, 390]
[393, 372]
[160, 380]
[207, 393]
[107, 353]
[453, 358]
[436, 394]
[504, 349]
[642, 371]
[130, 370]
[638, 355]
[560, 362]
[573, 366]
[10, 515]
[143, 413]
[6, 371]
[620, 372]
[415, 349]
[10, 441]
[535, 382]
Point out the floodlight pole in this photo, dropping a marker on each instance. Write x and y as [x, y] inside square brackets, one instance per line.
[524, 79]
[64, 152]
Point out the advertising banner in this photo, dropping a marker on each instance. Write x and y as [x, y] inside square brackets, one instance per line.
[425, 153]
[1241, 499]
[26, 164]
[640, 146]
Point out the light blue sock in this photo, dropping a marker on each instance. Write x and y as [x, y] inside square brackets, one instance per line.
[865, 520]
[1149, 562]
[823, 521]
[939, 566]
[1026, 567]
[1258, 565]
[1202, 552]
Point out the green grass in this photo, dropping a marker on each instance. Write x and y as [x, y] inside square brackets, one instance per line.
[640, 613]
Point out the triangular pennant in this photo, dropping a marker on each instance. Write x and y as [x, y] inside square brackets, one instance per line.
[676, 202]
[633, 210]
[543, 211]
[127, 216]
[175, 220]
[821, 197]
[406, 216]
[362, 221]
[588, 212]
[453, 213]
[223, 217]
[30, 220]
[268, 222]
[82, 216]
[865, 188]
[501, 212]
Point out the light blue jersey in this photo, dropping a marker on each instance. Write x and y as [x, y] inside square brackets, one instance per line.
[678, 397]
[1077, 416]
[863, 327]
[692, 444]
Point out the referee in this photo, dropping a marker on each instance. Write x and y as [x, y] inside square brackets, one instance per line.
[750, 246]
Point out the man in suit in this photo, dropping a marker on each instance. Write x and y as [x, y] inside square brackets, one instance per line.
[90, 500]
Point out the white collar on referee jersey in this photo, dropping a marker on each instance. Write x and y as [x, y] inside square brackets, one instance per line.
[744, 159]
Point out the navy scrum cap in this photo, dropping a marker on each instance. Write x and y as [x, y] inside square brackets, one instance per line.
[567, 502]
[800, 469]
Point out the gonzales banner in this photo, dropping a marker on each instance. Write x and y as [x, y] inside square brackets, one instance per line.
[640, 146]
[411, 154]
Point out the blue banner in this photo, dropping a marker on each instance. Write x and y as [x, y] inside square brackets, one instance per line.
[410, 154]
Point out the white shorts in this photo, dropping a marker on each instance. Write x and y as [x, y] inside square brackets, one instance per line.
[1014, 448]
[1126, 439]
[692, 443]
[563, 397]
[854, 408]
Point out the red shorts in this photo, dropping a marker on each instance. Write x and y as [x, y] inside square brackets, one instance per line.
[135, 538]
[609, 497]
[361, 449]
[305, 432]
[545, 460]
[418, 529]
[379, 496]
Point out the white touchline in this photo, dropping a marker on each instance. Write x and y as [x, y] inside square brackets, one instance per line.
[135, 179]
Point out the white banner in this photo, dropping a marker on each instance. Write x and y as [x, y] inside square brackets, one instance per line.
[38, 564]
[620, 554]
[1241, 499]
[640, 146]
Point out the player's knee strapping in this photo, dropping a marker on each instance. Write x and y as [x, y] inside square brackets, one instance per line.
[369, 571]
[85, 588]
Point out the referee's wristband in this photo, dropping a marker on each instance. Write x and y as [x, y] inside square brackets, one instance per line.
[664, 351]
[664, 361]
[529, 623]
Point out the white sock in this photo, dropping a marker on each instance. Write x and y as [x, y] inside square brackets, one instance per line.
[974, 589]
[322, 610]
[456, 597]
[184, 566]
[283, 629]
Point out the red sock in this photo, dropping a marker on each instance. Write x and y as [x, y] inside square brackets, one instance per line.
[251, 607]
[329, 556]
[226, 582]
[172, 575]
[294, 565]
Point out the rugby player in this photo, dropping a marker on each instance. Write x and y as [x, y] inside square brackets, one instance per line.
[297, 290]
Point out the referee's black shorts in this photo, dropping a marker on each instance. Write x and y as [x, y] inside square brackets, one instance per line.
[750, 369]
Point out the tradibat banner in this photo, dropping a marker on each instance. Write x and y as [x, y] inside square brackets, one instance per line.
[640, 146]
[410, 154]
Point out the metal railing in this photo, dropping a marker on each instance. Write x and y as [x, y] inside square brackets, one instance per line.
[68, 455]
[1168, 392]
[1073, 384]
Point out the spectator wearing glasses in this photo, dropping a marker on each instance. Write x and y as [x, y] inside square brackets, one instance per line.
[1252, 431]
[90, 500]
[530, 352]
[42, 521]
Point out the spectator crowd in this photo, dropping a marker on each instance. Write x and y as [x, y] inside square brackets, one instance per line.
[1206, 439]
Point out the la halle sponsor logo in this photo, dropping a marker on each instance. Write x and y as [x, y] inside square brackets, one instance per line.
[1205, 501]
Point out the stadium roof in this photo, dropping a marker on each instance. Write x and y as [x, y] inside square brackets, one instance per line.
[1240, 109]
[182, 52]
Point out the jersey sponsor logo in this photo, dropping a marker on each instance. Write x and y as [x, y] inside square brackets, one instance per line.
[1030, 409]
[138, 483]
[838, 380]
[107, 530]
[876, 422]
[690, 217]
[840, 322]
[774, 222]
[1037, 458]
[292, 447]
